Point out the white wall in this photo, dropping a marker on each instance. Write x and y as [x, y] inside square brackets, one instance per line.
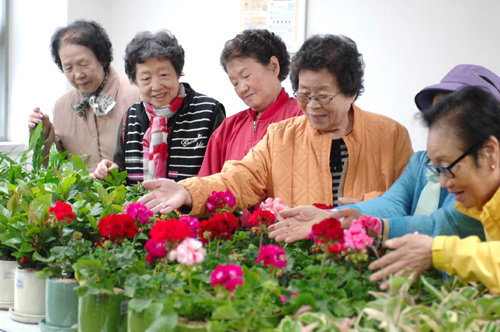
[406, 45]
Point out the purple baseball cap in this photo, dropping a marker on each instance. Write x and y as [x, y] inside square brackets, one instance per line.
[459, 77]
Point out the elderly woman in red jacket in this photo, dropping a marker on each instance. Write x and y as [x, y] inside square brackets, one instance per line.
[335, 149]
[256, 62]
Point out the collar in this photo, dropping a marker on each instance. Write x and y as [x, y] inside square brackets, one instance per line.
[488, 214]
[269, 112]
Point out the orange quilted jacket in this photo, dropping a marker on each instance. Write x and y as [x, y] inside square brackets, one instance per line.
[292, 162]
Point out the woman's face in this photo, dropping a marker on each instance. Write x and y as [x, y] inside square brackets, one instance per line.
[81, 67]
[332, 118]
[257, 85]
[157, 81]
[472, 185]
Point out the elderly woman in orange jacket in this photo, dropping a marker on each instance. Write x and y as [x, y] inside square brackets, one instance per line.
[335, 149]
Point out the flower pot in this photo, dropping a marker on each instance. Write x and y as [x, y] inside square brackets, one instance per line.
[29, 297]
[102, 312]
[136, 321]
[7, 270]
[61, 306]
[184, 325]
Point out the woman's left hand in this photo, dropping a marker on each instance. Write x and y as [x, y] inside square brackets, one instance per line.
[412, 252]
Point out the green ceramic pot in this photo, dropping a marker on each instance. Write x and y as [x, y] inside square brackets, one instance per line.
[102, 313]
[61, 306]
[185, 325]
[136, 322]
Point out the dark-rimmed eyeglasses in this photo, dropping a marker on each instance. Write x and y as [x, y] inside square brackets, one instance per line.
[322, 99]
[446, 170]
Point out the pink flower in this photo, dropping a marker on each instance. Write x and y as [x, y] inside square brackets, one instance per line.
[283, 299]
[156, 250]
[355, 237]
[228, 276]
[139, 211]
[275, 205]
[220, 201]
[190, 251]
[371, 223]
[272, 255]
[193, 223]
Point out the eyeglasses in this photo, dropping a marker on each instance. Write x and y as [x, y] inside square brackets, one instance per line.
[322, 99]
[446, 170]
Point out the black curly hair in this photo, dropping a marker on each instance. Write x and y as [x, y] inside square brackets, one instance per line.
[146, 45]
[336, 53]
[472, 114]
[85, 33]
[259, 44]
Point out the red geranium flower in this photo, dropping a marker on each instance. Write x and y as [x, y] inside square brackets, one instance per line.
[261, 217]
[63, 211]
[170, 230]
[329, 235]
[116, 227]
[323, 206]
[221, 226]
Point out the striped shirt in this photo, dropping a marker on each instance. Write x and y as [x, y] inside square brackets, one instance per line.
[338, 158]
[188, 133]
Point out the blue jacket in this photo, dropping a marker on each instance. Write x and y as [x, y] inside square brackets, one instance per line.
[398, 204]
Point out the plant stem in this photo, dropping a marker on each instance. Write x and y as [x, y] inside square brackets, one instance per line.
[360, 273]
[261, 239]
[322, 270]
[217, 248]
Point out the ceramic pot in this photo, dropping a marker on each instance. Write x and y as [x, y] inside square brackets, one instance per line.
[29, 296]
[7, 271]
[61, 306]
[102, 312]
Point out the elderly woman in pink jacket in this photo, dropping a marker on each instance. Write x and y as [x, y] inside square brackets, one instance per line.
[334, 150]
[86, 118]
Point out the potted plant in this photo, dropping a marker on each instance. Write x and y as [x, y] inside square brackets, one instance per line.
[102, 274]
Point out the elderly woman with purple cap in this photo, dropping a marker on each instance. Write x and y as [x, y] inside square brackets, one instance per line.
[464, 150]
[415, 202]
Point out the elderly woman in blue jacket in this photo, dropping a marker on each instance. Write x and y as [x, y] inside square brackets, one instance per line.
[415, 202]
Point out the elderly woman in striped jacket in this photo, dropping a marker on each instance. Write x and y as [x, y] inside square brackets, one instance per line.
[166, 134]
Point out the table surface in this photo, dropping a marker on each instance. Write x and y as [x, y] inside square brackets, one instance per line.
[9, 325]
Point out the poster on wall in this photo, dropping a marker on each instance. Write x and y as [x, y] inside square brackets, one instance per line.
[286, 18]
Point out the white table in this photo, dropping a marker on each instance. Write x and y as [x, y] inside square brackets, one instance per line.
[9, 325]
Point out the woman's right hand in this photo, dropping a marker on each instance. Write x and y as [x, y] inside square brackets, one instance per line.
[34, 119]
[165, 196]
[102, 169]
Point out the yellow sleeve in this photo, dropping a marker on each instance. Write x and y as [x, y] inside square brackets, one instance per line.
[469, 259]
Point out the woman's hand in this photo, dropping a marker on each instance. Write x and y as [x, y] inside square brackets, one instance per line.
[166, 196]
[298, 223]
[34, 119]
[346, 216]
[413, 252]
[347, 201]
[102, 169]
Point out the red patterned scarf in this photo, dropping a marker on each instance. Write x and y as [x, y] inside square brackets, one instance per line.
[155, 141]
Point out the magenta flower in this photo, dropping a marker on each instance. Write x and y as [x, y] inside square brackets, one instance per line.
[193, 223]
[220, 201]
[371, 223]
[139, 211]
[156, 250]
[274, 205]
[228, 276]
[190, 251]
[272, 255]
[356, 238]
